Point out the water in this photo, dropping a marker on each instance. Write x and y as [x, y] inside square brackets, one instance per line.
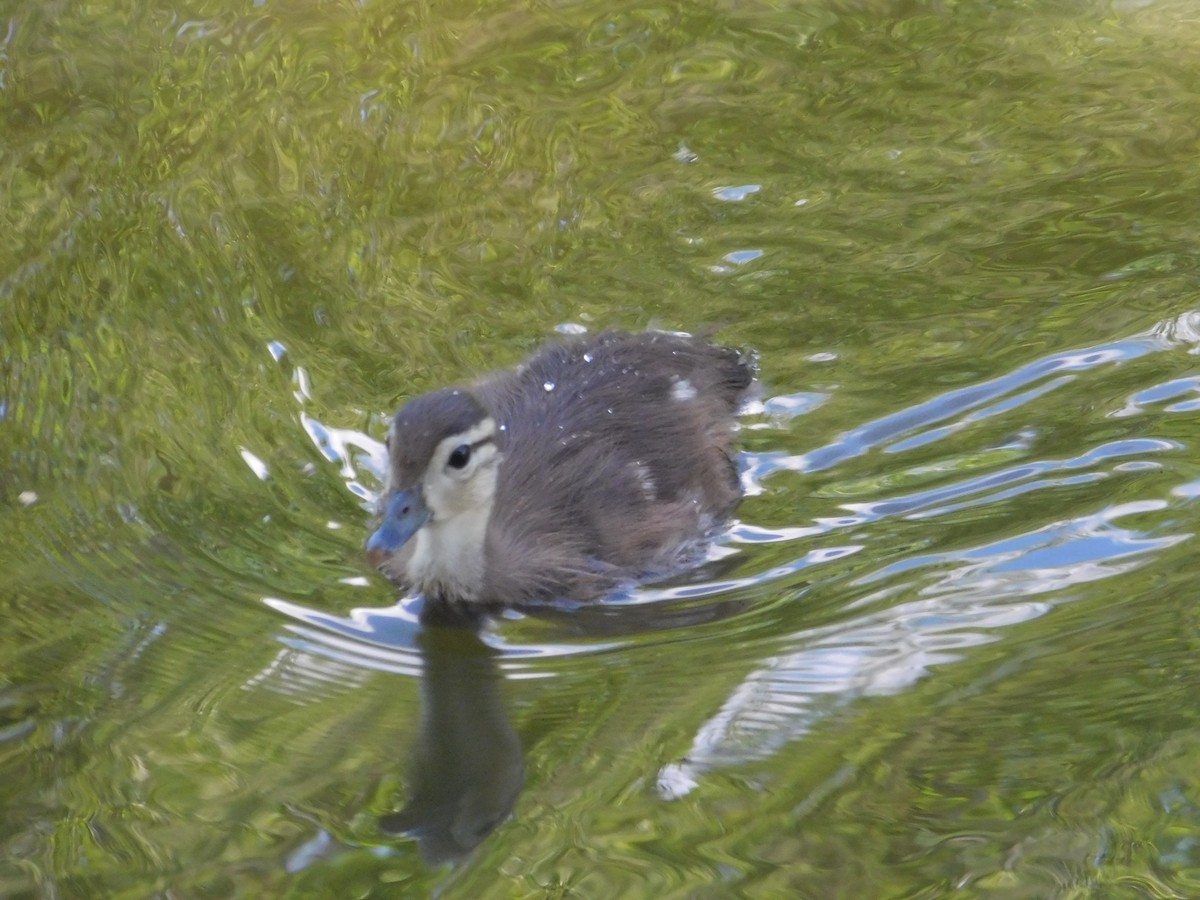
[947, 645]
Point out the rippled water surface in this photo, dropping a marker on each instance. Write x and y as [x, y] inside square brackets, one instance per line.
[950, 642]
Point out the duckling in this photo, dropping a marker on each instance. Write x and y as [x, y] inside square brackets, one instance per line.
[599, 461]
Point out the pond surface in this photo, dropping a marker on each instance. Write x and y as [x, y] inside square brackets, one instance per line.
[948, 645]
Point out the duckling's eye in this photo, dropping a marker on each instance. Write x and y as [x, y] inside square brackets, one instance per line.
[460, 456]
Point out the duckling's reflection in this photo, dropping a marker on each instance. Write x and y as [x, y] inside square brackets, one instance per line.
[467, 768]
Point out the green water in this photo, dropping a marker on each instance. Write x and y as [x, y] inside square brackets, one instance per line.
[948, 647]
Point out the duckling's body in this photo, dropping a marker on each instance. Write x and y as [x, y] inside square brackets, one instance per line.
[593, 463]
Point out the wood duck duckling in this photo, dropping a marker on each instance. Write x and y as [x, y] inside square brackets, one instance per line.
[597, 462]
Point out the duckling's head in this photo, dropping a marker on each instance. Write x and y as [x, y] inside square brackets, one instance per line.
[443, 462]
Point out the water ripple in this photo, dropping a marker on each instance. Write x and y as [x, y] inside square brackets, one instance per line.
[900, 620]
[991, 397]
[966, 599]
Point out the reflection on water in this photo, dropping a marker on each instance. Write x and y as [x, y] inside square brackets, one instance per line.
[949, 648]
[967, 599]
[463, 765]
[467, 768]
[907, 616]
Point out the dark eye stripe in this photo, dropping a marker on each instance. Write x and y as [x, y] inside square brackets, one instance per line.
[479, 443]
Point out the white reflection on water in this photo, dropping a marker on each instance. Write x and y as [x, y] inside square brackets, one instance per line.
[927, 609]
[913, 427]
[380, 639]
[984, 590]
[257, 466]
[386, 639]
[352, 450]
[295, 672]
[963, 599]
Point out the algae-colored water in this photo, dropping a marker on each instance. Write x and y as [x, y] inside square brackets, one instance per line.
[948, 646]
